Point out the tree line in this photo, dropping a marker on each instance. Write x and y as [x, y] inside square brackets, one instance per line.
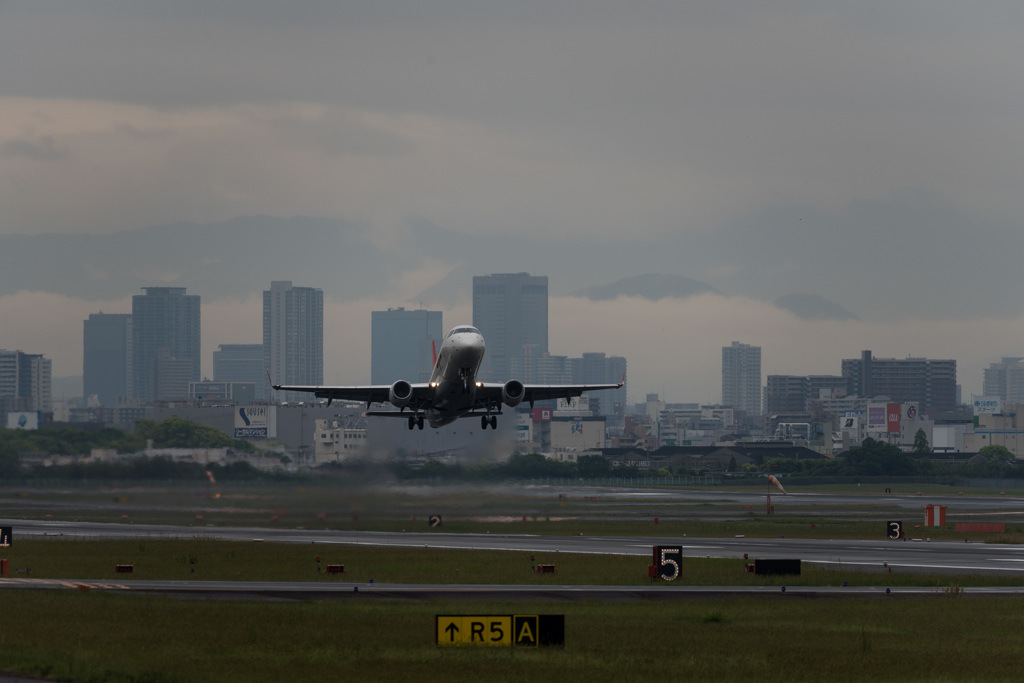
[170, 433]
[173, 432]
[871, 459]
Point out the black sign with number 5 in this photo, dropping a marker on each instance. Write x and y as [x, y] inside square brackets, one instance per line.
[669, 561]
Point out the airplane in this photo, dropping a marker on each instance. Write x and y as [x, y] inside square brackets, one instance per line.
[453, 391]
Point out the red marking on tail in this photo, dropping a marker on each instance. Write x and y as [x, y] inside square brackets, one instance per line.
[433, 349]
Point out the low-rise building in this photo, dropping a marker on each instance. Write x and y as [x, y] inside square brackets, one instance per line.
[998, 429]
[337, 440]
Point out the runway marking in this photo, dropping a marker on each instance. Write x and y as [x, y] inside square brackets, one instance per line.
[918, 566]
[64, 583]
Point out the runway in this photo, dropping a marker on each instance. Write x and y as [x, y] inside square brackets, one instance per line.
[370, 591]
[882, 555]
[916, 555]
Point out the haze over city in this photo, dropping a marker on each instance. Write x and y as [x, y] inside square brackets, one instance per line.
[867, 153]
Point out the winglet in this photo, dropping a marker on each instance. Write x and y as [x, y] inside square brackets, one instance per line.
[272, 385]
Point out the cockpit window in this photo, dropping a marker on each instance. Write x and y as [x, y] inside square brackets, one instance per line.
[460, 330]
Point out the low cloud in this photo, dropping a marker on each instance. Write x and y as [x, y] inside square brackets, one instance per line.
[44, 148]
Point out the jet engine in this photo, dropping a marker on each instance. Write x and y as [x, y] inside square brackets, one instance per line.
[400, 393]
[512, 393]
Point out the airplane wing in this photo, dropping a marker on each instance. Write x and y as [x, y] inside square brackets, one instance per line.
[491, 392]
[370, 393]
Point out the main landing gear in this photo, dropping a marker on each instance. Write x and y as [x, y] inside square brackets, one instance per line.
[491, 420]
[415, 421]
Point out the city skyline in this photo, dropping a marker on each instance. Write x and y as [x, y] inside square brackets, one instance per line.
[669, 396]
[678, 363]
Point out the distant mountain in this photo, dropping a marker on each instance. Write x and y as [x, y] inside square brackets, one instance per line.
[813, 307]
[239, 258]
[653, 286]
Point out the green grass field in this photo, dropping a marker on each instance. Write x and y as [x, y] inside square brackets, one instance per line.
[102, 636]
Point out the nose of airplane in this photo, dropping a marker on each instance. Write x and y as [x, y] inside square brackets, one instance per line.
[468, 340]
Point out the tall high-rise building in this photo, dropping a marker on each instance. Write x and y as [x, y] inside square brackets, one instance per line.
[1005, 380]
[597, 368]
[25, 381]
[171, 376]
[163, 318]
[293, 336]
[790, 393]
[929, 383]
[402, 344]
[241, 363]
[741, 377]
[107, 358]
[511, 311]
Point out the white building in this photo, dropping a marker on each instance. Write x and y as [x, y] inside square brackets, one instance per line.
[337, 441]
[998, 429]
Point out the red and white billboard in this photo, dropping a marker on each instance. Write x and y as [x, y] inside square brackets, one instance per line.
[893, 413]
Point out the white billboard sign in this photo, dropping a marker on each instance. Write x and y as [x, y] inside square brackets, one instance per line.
[23, 419]
[256, 422]
[575, 404]
[987, 404]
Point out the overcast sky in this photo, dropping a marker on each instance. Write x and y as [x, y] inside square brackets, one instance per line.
[789, 140]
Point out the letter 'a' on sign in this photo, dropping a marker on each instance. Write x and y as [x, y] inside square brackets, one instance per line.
[668, 559]
[525, 630]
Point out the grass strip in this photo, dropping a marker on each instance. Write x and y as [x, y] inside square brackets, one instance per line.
[217, 560]
[103, 636]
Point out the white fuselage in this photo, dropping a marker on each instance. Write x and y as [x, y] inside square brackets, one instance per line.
[454, 376]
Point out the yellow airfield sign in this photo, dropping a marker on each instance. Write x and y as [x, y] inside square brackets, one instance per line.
[503, 630]
[475, 630]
